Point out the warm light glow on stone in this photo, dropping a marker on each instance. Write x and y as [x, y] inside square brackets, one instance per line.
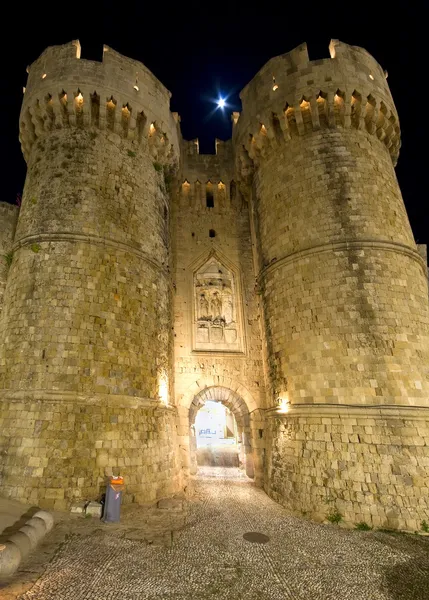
[44, 76]
[284, 405]
[152, 129]
[163, 388]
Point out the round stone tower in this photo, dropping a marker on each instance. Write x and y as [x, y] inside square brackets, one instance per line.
[344, 290]
[85, 352]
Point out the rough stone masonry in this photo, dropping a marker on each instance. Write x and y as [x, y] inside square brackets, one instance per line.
[278, 276]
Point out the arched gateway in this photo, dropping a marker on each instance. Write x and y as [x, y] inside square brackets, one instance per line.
[248, 419]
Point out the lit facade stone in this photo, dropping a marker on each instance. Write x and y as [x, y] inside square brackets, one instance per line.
[279, 276]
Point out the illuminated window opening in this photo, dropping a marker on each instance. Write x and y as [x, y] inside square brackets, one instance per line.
[110, 113]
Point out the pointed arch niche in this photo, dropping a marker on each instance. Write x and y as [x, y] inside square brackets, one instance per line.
[217, 324]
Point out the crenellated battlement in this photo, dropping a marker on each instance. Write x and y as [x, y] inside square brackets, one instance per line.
[118, 94]
[292, 95]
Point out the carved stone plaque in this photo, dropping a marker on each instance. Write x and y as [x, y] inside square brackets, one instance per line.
[215, 299]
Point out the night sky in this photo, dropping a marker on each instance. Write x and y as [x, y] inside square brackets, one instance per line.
[200, 49]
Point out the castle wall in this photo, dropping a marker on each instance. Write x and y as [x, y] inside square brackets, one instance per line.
[344, 290]
[8, 219]
[278, 276]
[234, 365]
[370, 465]
[345, 310]
[86, 353]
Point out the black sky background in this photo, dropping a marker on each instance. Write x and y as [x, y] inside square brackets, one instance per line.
[198, 49]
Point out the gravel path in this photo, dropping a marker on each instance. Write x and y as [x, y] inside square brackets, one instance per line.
[210, 559]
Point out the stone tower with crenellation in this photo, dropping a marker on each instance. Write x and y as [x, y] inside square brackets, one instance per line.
[278, 276]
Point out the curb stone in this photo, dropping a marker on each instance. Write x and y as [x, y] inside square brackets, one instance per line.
[23, 541]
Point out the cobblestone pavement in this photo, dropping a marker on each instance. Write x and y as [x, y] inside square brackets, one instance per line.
[210, 559]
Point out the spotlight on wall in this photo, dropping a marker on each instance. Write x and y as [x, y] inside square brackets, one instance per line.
[283, 404]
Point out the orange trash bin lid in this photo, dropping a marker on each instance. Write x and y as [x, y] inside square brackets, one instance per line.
[119, 480]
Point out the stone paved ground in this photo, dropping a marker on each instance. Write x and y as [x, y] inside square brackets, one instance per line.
[210, 559]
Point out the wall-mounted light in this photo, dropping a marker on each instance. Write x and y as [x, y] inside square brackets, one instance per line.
[284, 405]
[152, 129]
[371, 76]
[44, 76]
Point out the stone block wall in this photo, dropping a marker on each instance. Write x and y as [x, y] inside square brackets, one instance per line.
[58, 448]
[279, 276]
[370, 465]
[337, 272]
[343, 287]
[8, 219]
[86, 331]
[226, 371]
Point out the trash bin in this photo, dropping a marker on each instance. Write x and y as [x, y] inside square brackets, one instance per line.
[112, 506]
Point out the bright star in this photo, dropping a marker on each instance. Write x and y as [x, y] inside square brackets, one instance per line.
[221, 103]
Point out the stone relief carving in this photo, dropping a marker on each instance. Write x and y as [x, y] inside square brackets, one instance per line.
[215, 298]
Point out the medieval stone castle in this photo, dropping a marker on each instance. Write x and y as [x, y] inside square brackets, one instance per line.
[278, 276]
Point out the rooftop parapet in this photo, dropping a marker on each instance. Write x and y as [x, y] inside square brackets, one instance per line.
[119, 94]
[292, 95]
